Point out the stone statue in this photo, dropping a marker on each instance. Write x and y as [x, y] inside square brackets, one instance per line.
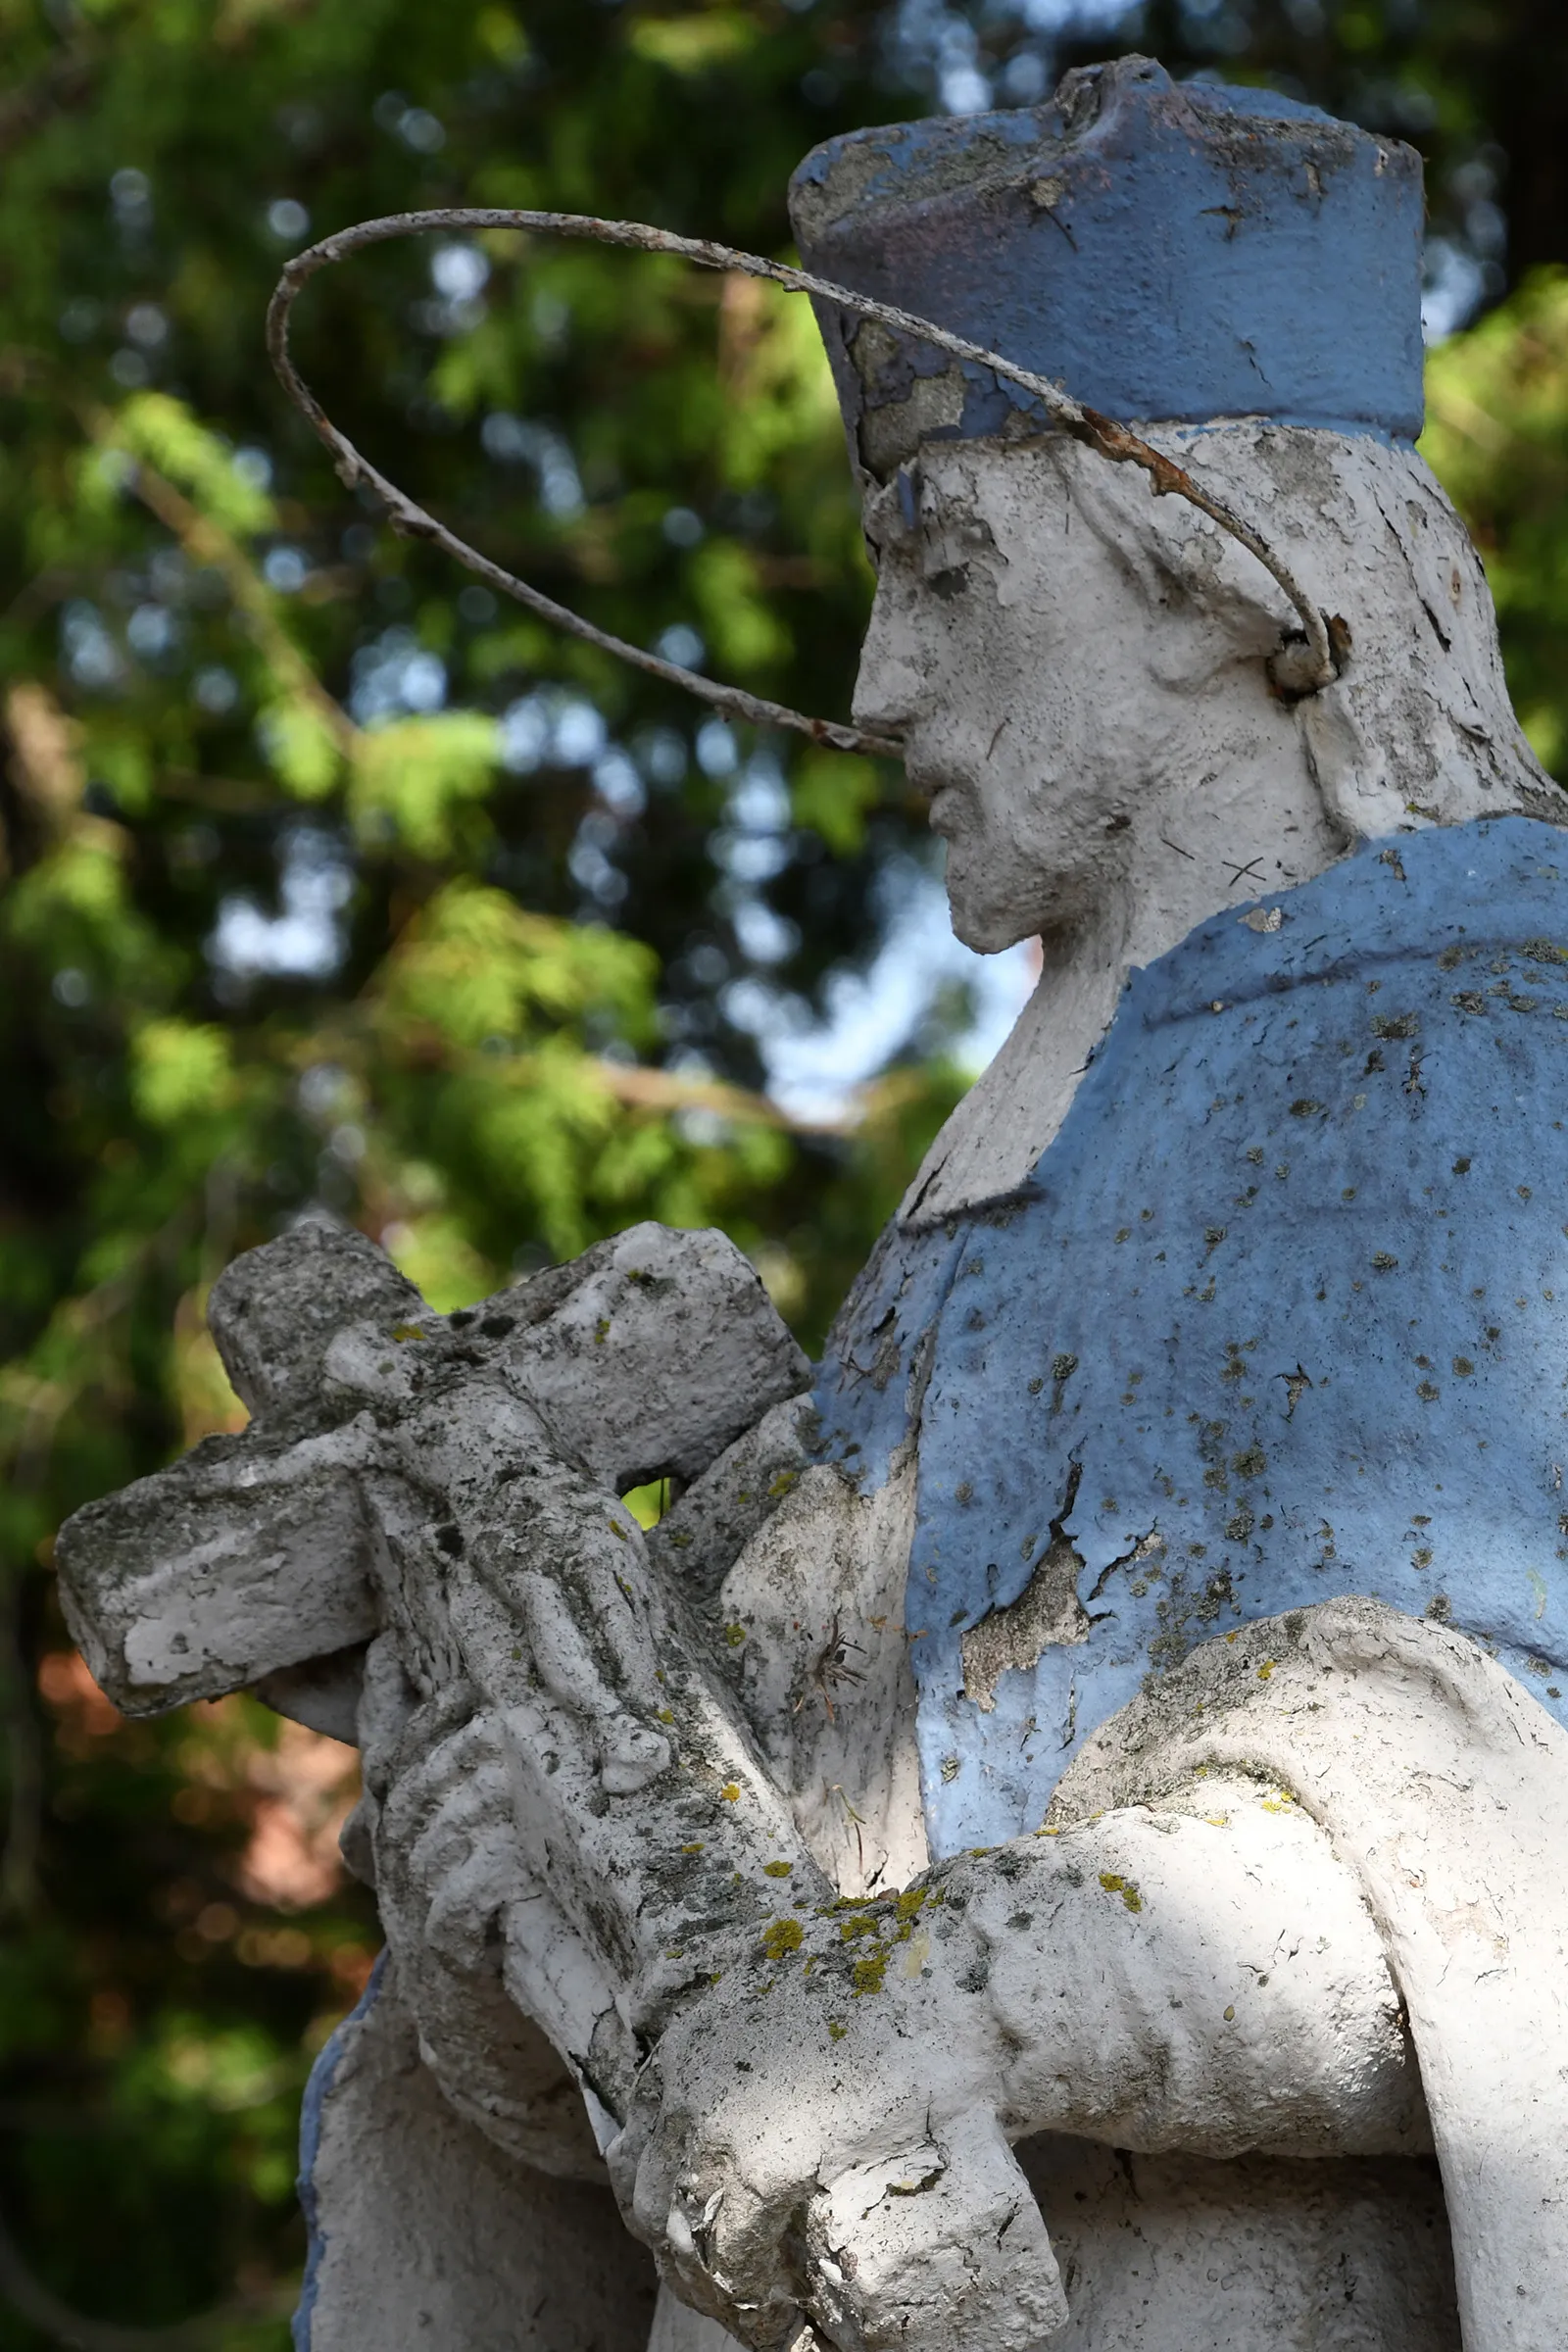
[1056, 1837]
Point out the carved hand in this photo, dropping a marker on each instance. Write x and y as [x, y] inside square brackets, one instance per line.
[821, 2135]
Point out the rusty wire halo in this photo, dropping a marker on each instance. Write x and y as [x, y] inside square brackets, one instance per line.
[1303, 665]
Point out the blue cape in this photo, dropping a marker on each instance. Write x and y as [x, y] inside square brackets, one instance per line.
[1280, 1314]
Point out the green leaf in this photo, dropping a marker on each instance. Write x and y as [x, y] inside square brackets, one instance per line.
[179, 1070]
[301, 748]
[746, 632]
[165, 432]
[1497, 437]
[413, 780]
[691, 44]
[476, 967]
[834, 793]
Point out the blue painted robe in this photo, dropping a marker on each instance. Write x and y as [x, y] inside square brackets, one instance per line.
[1280, 1314]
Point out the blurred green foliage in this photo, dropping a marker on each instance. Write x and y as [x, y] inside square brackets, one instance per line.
[327, 879]
[1497, 436]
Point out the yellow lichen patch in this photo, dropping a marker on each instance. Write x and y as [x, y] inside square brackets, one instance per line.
[667, 1715]
[1115, 1883]
[408, 1331]
[1230, 2013]
[911, 1902]
[781, 1485]
[777, 1870]
[734, 1635]
[781, 1936]
[692, 1849]
[835, 2031]
[1265, 1670]
[730, 1792]
[616, 1529]
[869, 1971]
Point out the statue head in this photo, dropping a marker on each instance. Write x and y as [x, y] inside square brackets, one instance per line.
[1081, 672]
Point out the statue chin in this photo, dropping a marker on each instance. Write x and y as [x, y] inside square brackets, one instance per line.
[981, 924]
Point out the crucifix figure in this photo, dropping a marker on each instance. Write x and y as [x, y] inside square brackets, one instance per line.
[1056, 1837]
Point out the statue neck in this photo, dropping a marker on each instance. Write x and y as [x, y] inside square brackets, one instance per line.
[1197, 846]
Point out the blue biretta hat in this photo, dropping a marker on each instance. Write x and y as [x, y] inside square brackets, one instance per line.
[1164, 251]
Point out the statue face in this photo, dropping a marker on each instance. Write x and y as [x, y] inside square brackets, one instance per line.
[1078, 669]
[1010, 649]
[1052, 681]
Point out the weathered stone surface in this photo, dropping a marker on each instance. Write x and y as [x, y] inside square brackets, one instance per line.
[1444, 1788]
[664, 1351]
[702, 1534]
[323, 1694]
[1256, 2255]
[429, 2237]
[1146, 777]
[679, 2329]
[810, 1622]
[1259, 2254]
[249, 1556]
[274, 1312]
[938, 2245]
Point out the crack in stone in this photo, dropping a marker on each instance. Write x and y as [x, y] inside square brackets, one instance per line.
[1046, 1612]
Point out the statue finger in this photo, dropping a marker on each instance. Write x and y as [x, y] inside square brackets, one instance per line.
[469, 1897]
[433, 1771]
[576, 1560]
[475, 1811]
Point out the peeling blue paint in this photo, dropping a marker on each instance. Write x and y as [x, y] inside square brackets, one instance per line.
[1179, 252]
[1286, 1302]
[317, 2091]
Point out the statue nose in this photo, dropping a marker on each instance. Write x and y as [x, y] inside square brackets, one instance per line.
[891, 686]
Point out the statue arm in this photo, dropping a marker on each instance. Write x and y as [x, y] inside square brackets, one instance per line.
[1203, 1979]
